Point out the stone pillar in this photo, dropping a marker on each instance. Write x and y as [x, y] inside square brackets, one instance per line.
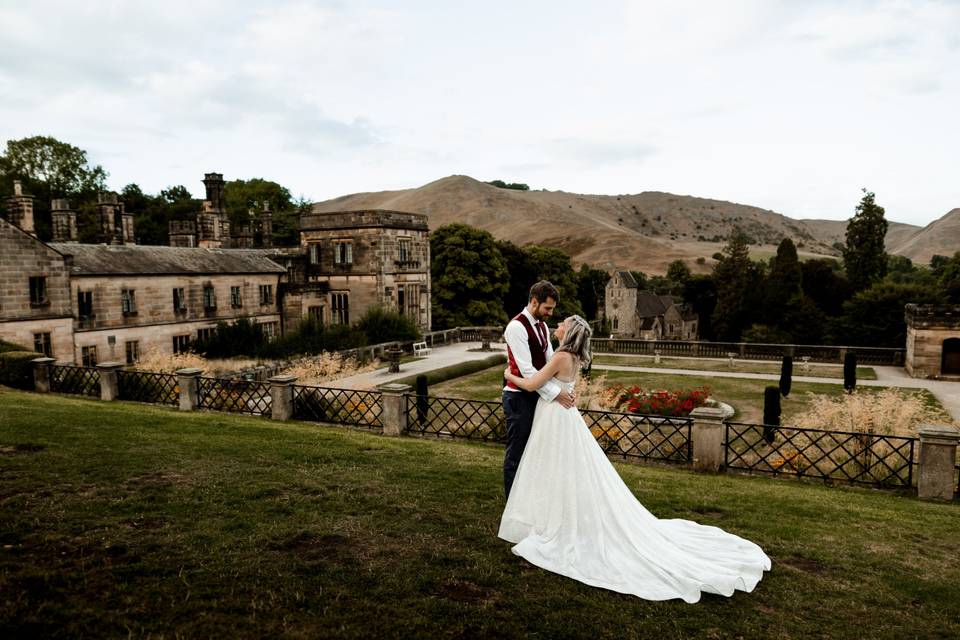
[109, 387]
[394, 409]
[707, 435]
[938, 455]
[281, 396]
[189, 388]
[41, 374]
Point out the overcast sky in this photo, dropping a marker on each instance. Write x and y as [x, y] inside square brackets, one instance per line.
[792, 105]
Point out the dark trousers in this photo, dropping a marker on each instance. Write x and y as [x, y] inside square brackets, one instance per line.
[518, 407]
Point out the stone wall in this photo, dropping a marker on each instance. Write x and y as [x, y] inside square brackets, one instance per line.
[928, 326]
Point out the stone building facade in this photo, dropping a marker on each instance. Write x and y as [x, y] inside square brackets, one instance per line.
[366, 258]
[933, 341]
[35, 308]
[87, 303]
[644, 315]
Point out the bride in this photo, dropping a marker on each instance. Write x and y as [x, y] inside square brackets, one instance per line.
[569, 512]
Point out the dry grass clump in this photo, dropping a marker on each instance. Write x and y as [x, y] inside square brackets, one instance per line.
[889, 412]
[592, 393]
[154, 360]
[329, 366]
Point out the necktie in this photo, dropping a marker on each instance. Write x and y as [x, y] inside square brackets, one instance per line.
[543, 335]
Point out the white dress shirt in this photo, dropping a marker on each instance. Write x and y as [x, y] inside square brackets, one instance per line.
[515, 336]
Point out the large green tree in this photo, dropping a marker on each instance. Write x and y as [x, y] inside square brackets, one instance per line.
[554, 265]
[245, 200]
[49, 168]
[737, 279]
[469, 278]
[523, 274]
[864, 257]
[591, 289]
[783, 283]
[825, 284]
[874, 317]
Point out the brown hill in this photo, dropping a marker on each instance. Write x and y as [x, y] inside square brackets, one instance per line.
[644, 231]
[939, 237]
[833, 231]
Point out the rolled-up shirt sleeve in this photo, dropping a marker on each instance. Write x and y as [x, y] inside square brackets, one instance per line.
[516, 338]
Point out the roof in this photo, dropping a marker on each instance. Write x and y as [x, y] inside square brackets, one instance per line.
[102, 259]
[648, 323]
[650, 304]
[629, 282]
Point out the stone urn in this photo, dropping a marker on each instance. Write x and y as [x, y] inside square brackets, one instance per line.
[393, 358]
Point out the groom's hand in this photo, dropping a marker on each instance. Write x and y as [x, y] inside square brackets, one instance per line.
[567, 399]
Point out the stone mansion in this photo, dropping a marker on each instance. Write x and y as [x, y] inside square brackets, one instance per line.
[88, 303]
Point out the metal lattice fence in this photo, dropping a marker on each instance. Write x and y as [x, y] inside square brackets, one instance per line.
[456, 418]
[338, 406]
[83, 381]
[235, 396]
[143, 386]
[641, 437]
[860, 458]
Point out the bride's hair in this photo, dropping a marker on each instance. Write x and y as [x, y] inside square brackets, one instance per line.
[577, 339]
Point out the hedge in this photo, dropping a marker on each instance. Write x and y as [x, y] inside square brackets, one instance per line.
[16, 369]
[457, 370]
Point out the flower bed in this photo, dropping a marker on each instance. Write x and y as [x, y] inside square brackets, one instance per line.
[659, 402]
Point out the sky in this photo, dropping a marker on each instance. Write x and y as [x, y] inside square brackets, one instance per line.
[793, 106]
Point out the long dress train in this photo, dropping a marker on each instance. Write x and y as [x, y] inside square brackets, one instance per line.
[570, 512]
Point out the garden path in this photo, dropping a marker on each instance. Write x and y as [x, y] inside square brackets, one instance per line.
[440, 357]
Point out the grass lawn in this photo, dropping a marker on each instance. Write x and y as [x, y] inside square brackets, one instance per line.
[746, 396]
[131, 520]
[739, 366]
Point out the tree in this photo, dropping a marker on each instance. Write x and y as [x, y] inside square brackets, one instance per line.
[874, 317]
[700, 291]
[864, 257]
[678, 273]
[244, 200]
[469, 277]
[591, 290]
[523, 274]
[949, 278]
[50, 169]
[736, 278]
[519, 186]
[783, 282]
[554, 265]
[824, 284]
[786, 375]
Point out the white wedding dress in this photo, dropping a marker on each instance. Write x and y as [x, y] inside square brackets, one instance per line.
[569, 512]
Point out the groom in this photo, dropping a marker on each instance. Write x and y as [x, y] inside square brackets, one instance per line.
[528, 349]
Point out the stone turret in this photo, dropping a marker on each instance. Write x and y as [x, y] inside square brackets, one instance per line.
[213, 225]
[20, 209]
[266, 226]
[111, 222]
[64, 220]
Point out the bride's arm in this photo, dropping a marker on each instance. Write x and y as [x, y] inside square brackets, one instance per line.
[541, 377]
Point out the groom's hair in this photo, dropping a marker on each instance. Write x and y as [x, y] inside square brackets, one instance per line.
[543, 290]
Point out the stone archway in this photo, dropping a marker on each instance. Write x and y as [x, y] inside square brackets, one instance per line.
[950, 363]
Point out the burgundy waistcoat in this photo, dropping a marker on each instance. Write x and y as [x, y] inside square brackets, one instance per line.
[538, 353]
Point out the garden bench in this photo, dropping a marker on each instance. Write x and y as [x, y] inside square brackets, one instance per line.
[420, 349]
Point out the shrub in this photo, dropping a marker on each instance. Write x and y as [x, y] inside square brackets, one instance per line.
[457, 370]
[850, 371]
[16, 369]
[771, 412]
[786, 375]
[10, 346]
[888, 412]
[381, 325]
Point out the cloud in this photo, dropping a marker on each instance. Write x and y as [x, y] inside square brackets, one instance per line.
[600, 152]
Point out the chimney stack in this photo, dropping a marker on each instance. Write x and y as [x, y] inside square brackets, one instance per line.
[20, 209]
[64, 220]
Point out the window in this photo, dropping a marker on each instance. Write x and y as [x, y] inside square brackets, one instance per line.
[400, 299]
[343, 252]
[133, 351]
[403, 252]
[236, 299]
[209, 298]
[38, 291]
[266, 294]
[181, 344]
[270, 329]
[615, 323]
[85, 304]
[315, 313]
[41, 344]
[206, 334]
[340, 308]
[88, 356]
[179, 300]
[128, 302]
[314, 253]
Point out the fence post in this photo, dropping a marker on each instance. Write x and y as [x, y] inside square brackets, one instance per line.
[188, 379]
[938, 454]
[41, 374]
[281, 397]
[707, 435]
[394, 409]
[109, 387]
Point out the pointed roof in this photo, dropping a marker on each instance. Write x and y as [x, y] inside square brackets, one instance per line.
[629, 281]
